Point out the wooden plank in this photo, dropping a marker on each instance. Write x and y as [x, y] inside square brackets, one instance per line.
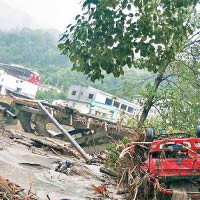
[76, 154]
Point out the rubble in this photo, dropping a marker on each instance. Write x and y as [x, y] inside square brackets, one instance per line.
[50, 168]
[11, 191]
[102, 189]
[109, 172]
[65, 148]
[67, 134]
[27, 159]
[63, 167]
[87, 129]
[130, 155]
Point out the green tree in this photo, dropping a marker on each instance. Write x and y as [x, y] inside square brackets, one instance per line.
[113, 34]
[179, 99]
[30, 47]
[37, 49]
[51, 95]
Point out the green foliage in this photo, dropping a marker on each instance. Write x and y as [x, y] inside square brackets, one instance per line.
[38, 50]
[112, 35]
[63, 77]
[51, 95]
[114, 150]
[156, 123]
[178, 98]
[133, 82]
[180, 109]
[30, 48]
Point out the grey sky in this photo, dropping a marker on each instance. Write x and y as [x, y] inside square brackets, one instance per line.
[46, 14]
[53, 14]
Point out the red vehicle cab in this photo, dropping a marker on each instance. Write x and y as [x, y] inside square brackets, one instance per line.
[173, 164]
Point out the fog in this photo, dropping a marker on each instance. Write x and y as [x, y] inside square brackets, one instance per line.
[11, 18]
[34, 14]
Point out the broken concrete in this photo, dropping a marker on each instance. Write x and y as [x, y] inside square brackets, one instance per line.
[35, 167]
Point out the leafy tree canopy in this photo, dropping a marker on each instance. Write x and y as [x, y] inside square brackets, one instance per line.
[51, 95]
[113, 34]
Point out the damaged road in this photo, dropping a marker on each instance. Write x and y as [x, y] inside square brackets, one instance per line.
[33, 169]
[50, 168]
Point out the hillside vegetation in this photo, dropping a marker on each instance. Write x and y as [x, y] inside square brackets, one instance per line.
[37, 49]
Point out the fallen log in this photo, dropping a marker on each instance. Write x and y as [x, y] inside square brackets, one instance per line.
[13, 134]
[76, 154]
[51, 144]
[20, 139]
[45, 143]
[23, 142]
[108, 172]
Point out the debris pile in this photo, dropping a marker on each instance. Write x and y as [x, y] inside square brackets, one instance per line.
[130, 156]
[88, 129]
[47, 162]
[11, 191]
[45, 147]
[102, 189]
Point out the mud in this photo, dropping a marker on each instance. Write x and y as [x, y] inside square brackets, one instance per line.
[35, 169]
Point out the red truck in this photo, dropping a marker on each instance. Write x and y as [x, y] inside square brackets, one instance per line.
[174, 165]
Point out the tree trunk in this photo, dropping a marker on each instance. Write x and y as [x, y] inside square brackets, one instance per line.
[149, 102]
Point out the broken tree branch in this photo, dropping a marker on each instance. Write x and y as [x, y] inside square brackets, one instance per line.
[65, 148]
[108, 171]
